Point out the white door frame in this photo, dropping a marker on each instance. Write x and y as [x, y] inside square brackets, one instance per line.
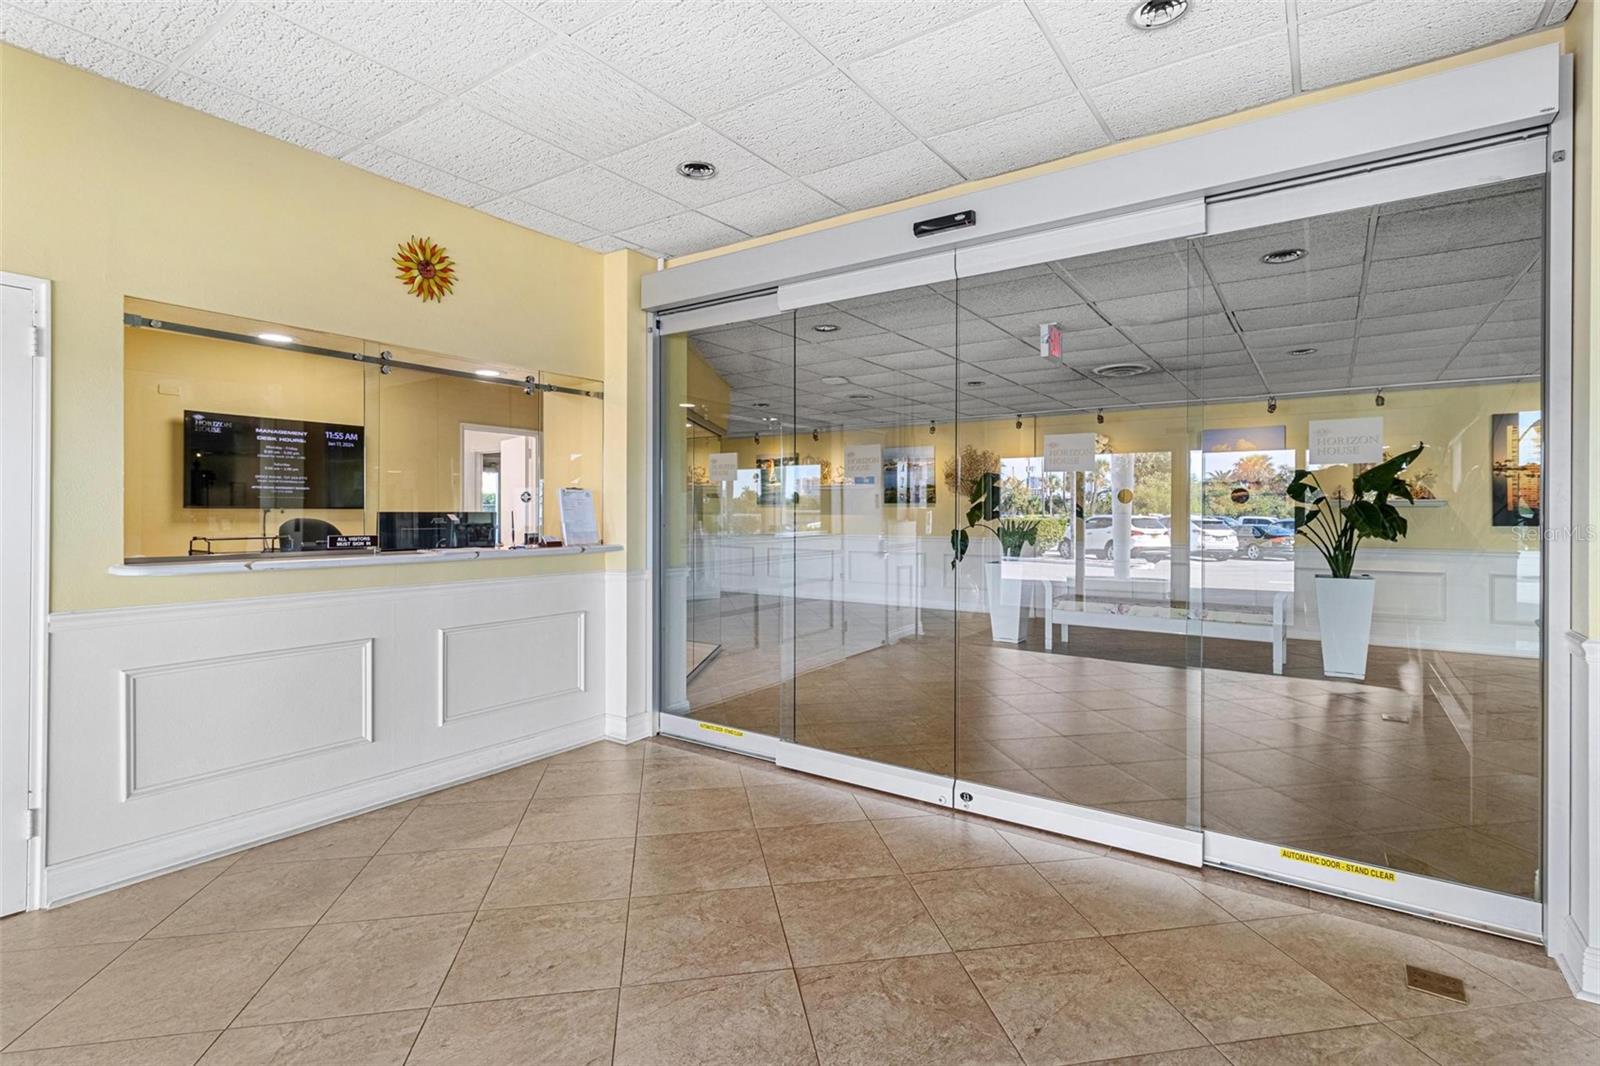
[26, 453]
[469, 491]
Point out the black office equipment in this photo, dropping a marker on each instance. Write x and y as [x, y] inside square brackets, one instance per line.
[400, 531]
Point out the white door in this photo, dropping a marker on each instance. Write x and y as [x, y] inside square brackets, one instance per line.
[517, 488]
[23, 375]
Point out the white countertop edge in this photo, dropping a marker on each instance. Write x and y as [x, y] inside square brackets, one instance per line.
[321, 561]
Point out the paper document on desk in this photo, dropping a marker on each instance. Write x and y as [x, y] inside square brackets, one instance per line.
[577, 517]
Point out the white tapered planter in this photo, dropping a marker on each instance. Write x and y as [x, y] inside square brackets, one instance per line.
[1344, 615]
[1005, 604]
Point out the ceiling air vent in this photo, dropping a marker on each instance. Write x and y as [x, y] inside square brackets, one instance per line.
[1122, 370]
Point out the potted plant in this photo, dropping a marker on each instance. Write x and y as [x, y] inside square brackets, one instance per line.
[1336, 527]
[1006, 604]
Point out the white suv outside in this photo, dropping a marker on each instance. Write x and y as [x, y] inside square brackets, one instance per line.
[1212, 537]
[1148, 537]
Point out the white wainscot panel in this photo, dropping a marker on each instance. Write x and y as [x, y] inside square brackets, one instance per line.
[187, 722]
[499, 666]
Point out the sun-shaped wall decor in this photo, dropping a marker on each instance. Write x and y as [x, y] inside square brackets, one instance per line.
[427, 272]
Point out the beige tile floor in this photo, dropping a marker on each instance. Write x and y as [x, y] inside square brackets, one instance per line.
[1430, 765]
[658, 904]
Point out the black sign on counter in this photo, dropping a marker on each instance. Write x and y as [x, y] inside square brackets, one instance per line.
[352, 541]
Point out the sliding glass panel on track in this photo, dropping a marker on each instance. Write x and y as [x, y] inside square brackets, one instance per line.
[1376, 382]
[730, 488]
[1074, 705]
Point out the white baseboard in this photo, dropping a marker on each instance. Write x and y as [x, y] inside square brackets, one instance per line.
[627, 730]
[92, 874]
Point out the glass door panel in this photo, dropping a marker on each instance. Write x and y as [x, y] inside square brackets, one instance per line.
[729, 484]
[1390, 718]
[875, 441]
[1073, 681]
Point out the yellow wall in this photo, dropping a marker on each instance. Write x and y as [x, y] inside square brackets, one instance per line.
[112, 192]
[1453, 422]
[627, 476]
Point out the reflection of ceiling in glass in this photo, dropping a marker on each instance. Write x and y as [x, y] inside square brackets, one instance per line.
[1444, 288]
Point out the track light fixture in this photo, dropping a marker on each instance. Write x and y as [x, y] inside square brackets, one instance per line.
[814, 435]
[758, 438]
[1100, 416]
[1019, 421]
[1272, 405]
[931, 427]
[1378, 400]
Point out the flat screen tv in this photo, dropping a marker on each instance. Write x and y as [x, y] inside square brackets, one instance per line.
[246, 461]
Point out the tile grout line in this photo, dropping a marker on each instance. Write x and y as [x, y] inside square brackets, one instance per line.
[783, 928]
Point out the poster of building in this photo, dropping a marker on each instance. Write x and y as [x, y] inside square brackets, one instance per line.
[1516, 458]
[908, 476]
[770, 470]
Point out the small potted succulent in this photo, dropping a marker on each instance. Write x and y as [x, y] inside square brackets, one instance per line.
[1336, 526]
[1006, 602]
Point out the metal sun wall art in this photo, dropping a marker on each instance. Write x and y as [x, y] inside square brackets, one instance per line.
[425, 269]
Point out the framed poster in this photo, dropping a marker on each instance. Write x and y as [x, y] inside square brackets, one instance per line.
[1516, 458]
[770, 477]
[908, 477]
[1244, 439]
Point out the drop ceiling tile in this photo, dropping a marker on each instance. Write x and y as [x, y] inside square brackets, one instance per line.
[1502, 261]
[1051, 130]
[654, 165]
[924, 359]
[871, 346]
[1518, 310]
[1025, 326]
[704, 57]
[265, 56]
[525, 214]
[157, 29]
[190, 91]
[1101, 44]
[1355, 42]
[1042, 376]
[1304, 286]
[418, 175]
[1376, 325]
[1146, 309]
[1453, 337]
[1013, 366]
[744, 337]
[1466, 224]
[849, 29]
[1433, 298]
[571, 15]
[773, 208]
[947, 336]
[604, 244]
[25, 29]
[568, 98]
[845, 326]
[1164, 272]
[1266, 340]
[464, 141]
[900, 172]
[1337, 241]
[816, 124]
[1191, 90]
[1339, 310]
[599, 198]
[1326, 348]
[449, 45]
[904, 309]
[1014, 296]
[987, 352]
[992, 64]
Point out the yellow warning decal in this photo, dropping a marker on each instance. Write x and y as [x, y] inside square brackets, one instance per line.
[708, 727]
[1337, 864]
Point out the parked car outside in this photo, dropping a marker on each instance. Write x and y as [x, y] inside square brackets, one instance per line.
[1148, 538]
[1275, 541]
[1212, 538]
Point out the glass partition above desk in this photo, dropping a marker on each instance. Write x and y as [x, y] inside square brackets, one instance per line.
[244, 439]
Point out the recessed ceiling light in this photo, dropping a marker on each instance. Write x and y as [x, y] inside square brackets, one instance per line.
[688, 406]
[697, 170]
[487, 373]
[1302, 351]
[1122, 370]
[976, 384]
[1283, 255]
[1154, 14]
[825, 327]
[859, 396]
[836, 381]
[275, 338]
[761, 405]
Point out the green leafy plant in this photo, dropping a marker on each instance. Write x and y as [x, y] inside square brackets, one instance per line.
[1336, 527]
[984, 513]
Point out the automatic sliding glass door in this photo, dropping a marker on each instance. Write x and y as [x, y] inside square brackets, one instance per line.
[730, 491]
[1379, 723]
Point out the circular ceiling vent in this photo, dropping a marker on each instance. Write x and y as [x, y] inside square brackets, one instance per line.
[1155, 14]
[697, 170]
[1284, 255]
[835, 381]
[1302, 351]
[761, 406]
[825, 327]
[1122, 370]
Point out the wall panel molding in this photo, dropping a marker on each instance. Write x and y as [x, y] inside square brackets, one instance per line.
[497, 666]
[278, 706]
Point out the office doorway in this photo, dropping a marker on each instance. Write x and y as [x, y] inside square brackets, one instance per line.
[500, 474]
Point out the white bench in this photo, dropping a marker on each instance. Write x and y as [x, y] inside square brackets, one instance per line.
[1242, 615]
